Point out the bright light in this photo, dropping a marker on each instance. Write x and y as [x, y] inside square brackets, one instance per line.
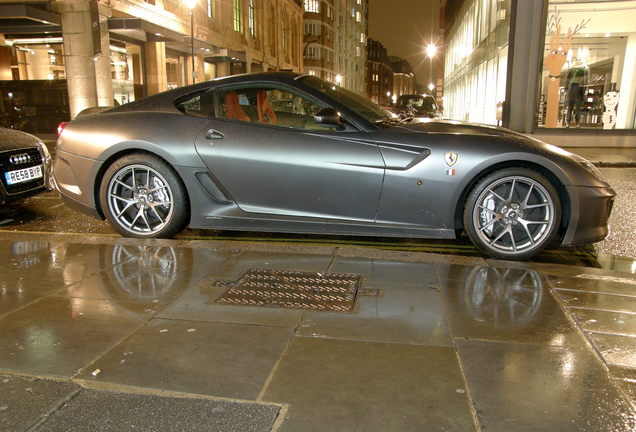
[388, 94]
[431, 50]
[431, 86]
[190, 4]
[338, 79]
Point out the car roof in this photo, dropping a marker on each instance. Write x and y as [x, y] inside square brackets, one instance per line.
[164, 102]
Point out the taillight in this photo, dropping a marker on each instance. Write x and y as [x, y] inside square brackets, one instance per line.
[60, 128]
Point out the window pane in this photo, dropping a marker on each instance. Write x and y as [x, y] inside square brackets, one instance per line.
[588, 78]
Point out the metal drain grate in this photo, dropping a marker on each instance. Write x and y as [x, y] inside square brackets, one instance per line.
[293, 289]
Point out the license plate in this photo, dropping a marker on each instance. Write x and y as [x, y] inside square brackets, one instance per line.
[23, 175]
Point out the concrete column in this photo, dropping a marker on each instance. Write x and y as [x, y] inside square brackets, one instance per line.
[156, 77]
[524, 57]
[627, 98]
[22, 65]
[199, 66]
[78, 54]
[222, 69]
[103, 75]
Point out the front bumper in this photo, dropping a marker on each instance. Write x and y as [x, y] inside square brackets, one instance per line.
[590, 208]
[18, 191]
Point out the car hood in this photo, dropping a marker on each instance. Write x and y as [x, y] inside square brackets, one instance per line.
[11, 139]
[460, 128]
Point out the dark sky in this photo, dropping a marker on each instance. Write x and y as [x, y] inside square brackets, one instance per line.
[404, 27]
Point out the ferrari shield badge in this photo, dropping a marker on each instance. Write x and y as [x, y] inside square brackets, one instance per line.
[450, 158]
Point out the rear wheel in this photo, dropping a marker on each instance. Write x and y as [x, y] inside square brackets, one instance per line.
[512, 214]
[143, 197]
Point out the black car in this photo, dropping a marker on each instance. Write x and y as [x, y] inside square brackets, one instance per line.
[417, 105]
[25, 163]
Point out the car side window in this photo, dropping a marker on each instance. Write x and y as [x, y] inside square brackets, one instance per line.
[200, 104]
[269, 105]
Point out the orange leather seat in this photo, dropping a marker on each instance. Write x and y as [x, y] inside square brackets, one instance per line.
[266, 113]
[233, 109]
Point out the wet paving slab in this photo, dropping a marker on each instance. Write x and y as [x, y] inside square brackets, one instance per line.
[362, 386]
[25, 401]
[528, 387]
[432, 341]
[92, 410]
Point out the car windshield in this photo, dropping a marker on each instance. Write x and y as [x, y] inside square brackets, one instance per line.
[421, 104]
[371, 112]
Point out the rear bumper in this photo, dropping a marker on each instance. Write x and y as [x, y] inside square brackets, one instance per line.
[72, 176]
[590, 208]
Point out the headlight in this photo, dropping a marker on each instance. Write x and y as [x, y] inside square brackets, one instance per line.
[45, 152]
[590, 167]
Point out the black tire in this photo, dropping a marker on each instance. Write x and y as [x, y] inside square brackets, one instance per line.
[138, 209]
[512, 214]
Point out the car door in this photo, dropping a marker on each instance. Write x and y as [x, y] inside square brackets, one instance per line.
[271, 157]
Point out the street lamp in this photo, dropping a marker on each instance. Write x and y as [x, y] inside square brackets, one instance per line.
[431, 50]
[190, 4]
[338, 79]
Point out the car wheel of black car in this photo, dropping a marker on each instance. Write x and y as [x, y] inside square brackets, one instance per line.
[143, 197]
[512, 214]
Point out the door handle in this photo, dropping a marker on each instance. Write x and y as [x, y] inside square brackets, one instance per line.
[213, 134]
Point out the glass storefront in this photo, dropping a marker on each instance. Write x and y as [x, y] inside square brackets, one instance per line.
[589, 78]
[476, 62]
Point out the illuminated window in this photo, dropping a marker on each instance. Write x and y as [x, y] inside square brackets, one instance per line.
[284, 35]
[251, 22]
[237, 16]
[312, 6]
[358, 16]
[210, 9]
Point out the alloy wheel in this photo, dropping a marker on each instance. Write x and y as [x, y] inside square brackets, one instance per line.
[140, 199]
[514, 214]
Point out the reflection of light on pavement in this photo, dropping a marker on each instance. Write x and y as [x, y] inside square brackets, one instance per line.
[40, 343]
[557, 340]
[568, 365]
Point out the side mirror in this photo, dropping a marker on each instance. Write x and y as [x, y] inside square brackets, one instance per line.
[328, 117]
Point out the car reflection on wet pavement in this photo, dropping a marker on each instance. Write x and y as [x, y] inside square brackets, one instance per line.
[122, 326]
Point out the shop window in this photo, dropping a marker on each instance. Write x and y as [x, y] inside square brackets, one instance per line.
[589, 62]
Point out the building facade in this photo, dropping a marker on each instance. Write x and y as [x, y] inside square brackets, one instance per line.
[561, 70]
[403, 77]
[379, 74]
[350, 44]
[60, 57]
[318, 39]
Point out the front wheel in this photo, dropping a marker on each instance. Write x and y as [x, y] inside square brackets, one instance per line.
[512, 214]
[142, 196]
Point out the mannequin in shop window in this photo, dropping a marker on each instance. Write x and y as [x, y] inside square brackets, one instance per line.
[575, 82]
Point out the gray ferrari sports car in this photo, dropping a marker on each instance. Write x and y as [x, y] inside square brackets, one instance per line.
[294, 153]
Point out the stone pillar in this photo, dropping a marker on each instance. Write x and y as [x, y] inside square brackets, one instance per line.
[199, 67]
[222, 69]
[156, 76]
[78, 54]
[103, 75]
